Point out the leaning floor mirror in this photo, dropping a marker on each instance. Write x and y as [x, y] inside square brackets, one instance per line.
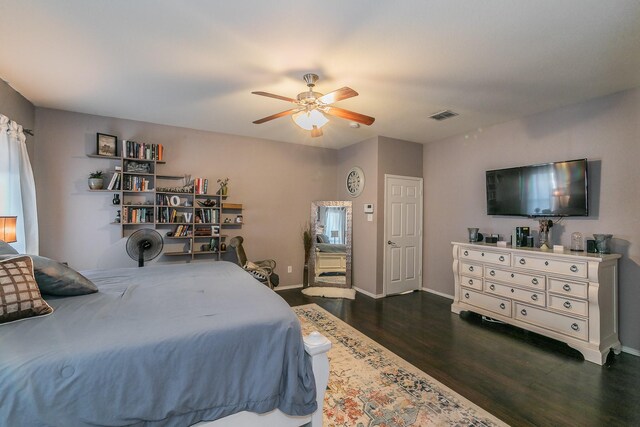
[330, 259]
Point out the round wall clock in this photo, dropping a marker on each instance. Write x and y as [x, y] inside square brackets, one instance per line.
[355, 181]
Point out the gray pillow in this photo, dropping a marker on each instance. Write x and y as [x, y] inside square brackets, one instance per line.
[323, 238]
[57, 279]
[6, 249]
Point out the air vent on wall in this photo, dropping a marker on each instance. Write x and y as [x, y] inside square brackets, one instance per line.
[442, 115]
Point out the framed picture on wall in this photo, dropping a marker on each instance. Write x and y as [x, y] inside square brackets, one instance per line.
[107, 145]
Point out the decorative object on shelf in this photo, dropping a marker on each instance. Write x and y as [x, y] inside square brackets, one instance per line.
[96, 181]
[224, 186]
[8, 229]
[227, 221]
[603, 243]
[116, 199]
[544, 227]
[107, 145]
[223, 246]
[238, 219]
[355, 181]
[118, 217]
[138, 167]
[174, 201]
[205, 247]
[187, 216]
[577, 243]
[474, 235]
[209, 203]
[144, 245]
[187, 189]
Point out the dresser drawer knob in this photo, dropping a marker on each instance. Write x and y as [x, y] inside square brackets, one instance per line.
[466, 295]
[512, 290]
[546, 263]
[493, 273]
[575, 327]
[471, 281]
[523, 312]
[534, 281]
[492, 287]
[567, 304]
[501, 259]
[566, 287]
[502, 306]
[471, 268]
[466, 253]
[534, 297]
[574, 268]
[513, 275]
[523, 261]
[482, 254]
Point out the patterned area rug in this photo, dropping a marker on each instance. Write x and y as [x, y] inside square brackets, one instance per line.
[371, 386]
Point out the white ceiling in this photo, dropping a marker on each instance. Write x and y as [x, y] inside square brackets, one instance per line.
[195, 63]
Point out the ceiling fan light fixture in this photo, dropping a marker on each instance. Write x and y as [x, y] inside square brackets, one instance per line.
[307, 120]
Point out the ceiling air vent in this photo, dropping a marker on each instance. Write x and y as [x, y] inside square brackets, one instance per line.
[442, 115]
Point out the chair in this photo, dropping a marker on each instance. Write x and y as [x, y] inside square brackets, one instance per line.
[263, 270]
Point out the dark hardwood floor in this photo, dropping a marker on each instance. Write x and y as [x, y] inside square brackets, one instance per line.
[520, 377]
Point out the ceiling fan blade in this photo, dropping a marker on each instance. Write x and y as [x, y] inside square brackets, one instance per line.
[338, 95]
[316, 132]
[349, 115]
[275, 116]
[271, 95]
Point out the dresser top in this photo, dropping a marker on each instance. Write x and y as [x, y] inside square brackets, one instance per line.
[526, 250]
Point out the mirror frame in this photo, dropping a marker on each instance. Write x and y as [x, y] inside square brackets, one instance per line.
[314, 230]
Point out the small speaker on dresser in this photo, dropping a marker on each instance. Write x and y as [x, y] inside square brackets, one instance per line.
[591, 246]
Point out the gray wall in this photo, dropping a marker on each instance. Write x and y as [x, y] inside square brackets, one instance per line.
[365, 155]
[275, 181]
[606, 131]
[19, 109]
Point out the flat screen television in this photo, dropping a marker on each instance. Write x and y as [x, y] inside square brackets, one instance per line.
[550, 189]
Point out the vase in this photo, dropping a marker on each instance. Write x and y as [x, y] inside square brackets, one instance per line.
[305, 276]
[96, 183]
[545, 240]
[603, 243]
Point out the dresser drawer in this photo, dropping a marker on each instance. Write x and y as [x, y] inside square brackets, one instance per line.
[568, 305]
[531, 297]
[488, 302]
[486, 256]
[566, 287]
[566, 325]
[471, 282]
[529, 280]
[473, 270]
[566, 268]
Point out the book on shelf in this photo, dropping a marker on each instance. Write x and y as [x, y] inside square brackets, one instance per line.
[200, 185]
[113, 180]
[142, 151]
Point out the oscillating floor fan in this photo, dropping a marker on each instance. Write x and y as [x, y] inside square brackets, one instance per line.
[144, 245]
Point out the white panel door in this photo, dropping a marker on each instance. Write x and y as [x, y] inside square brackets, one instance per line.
[403, 234]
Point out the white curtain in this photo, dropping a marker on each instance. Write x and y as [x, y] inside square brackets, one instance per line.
[17, 186]
[335, 224]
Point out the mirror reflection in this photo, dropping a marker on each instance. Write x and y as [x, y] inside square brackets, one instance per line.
[331, 250]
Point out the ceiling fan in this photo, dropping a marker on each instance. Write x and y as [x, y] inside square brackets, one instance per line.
[311, 107]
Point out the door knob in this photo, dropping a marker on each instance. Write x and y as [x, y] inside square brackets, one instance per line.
[391, 243]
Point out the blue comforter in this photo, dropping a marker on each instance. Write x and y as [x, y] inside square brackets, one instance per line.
[160, 345]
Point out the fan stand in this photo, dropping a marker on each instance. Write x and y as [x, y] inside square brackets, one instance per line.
[142, 246]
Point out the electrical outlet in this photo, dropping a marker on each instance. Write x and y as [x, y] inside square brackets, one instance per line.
[289, 269]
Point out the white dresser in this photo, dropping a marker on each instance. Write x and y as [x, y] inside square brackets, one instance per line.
[568, 296]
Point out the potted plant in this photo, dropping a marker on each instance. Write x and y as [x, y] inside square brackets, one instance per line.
[223, 183]
[96, 181]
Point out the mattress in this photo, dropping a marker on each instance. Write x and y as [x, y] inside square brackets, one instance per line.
[166, 345]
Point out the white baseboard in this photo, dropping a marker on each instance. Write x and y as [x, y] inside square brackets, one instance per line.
[367, 293]
[431, 291]
[631, 351]
[284, 288]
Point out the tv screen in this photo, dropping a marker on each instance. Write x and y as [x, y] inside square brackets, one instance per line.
[551, 189]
